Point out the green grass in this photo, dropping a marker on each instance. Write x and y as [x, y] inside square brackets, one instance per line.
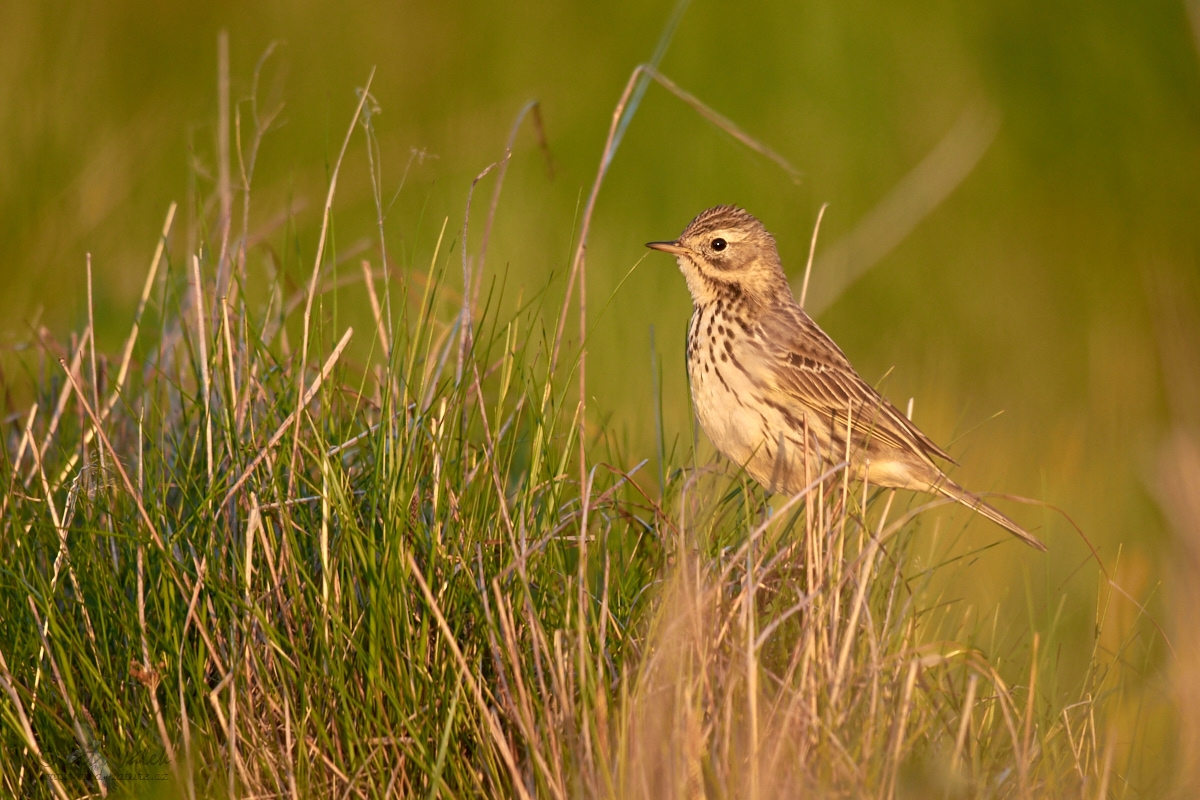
[421, 583]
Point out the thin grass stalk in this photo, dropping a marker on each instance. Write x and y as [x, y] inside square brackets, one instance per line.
[234, 760]
[290, 420]
[865, 574]
[964, 725]
[224, 184]
[326, 566]
[96, 762]
[532, 109]
[316, 272]
[206, 384]
[1023, 762]
[61, 525]
[497, 734]
[64, 395]
[92, 349]
[180, 579]
[246, 166]
[812, 251]
[465, 329]
[148, 665]
[751, 668]
[893, 769]
[22, 446]
[231, 393]
[127, 352]
[423, 324]
[376, 312]
[837, 547]
[26, 730]
[525, 713]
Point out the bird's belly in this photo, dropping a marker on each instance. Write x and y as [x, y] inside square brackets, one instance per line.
[736, 415]
[729, 422]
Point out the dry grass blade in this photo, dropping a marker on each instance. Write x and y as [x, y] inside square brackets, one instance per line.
[727, 125]
[131, 340]
[147, 662]
[137, 498]
[6, 683]
[92, 346]
[64, 395]
[481, 703]
[856, 606]
[376, 312]
[293, 418]
[812, 251]
[205, 370]
[22, 446]
[95, 762]
[964, 725]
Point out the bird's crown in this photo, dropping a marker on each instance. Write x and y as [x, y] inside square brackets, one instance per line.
[724, 218]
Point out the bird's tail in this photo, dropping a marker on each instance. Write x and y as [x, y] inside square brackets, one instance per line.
[952, 490]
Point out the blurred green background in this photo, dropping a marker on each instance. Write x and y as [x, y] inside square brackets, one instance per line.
[1032, 289]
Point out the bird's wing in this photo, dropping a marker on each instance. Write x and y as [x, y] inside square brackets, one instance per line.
[811, 369]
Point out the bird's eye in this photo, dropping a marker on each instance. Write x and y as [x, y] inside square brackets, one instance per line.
[719, 244]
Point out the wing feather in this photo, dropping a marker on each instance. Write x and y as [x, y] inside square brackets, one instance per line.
[813, 371]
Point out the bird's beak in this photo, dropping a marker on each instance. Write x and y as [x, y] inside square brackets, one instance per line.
[668, 247]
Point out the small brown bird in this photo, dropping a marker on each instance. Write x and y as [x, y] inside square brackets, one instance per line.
[763, 375]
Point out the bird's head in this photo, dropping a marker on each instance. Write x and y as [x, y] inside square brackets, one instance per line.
[727, 250]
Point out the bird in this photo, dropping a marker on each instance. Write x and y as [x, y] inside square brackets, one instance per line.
[764, 376]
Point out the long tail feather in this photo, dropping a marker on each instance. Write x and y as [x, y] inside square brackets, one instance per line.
[955, 492]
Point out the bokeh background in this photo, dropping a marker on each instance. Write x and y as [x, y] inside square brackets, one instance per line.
[1037, 287]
